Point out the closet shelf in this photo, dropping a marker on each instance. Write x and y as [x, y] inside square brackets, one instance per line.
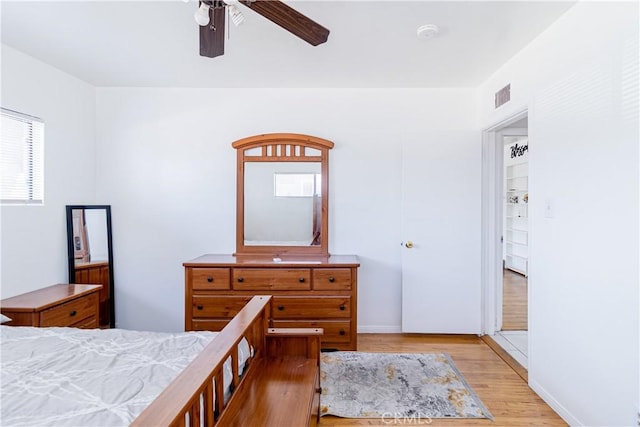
[516, 190]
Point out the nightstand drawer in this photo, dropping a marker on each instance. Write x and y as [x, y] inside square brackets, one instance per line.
[204, 306]
[210, 278]
[330, 279]
[310, 307]
[258, 279]
[70, 312]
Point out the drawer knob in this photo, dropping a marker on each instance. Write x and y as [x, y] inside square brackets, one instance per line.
[301, 280]
[332, 279]
[209, 279]
[281, 307]
[73, 313]
[240, 279]
[342, 332]
[342, 307]
[199, 307]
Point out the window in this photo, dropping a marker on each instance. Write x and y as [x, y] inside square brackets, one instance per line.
[21, 158]
[297, 184]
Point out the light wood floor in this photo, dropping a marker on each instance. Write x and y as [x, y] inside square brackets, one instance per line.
[503, 392]
[514, 301]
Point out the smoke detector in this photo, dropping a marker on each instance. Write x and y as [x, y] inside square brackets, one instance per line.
[427, 31]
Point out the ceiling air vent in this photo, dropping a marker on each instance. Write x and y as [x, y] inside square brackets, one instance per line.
[503, 95]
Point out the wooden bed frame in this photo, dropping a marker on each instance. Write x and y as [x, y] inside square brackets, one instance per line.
[279, 385]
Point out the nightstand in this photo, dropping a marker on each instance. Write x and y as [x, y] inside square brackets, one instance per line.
[58, 305]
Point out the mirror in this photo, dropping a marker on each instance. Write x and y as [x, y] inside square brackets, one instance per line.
[282, 195]
[90, 255]
[282, 204]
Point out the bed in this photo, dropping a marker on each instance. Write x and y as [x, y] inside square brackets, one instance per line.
[68, 376]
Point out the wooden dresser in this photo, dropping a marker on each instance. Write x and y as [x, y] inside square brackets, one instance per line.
[58, 305]
[309, 292]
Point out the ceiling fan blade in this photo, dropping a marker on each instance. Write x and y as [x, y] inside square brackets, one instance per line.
[212, 35]
[289, 19]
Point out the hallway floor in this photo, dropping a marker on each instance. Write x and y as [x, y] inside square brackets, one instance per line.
[513, 337]
[514, 301]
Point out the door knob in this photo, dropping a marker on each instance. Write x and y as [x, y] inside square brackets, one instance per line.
[408, 244]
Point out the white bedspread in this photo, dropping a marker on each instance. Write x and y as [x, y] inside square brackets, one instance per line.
[89, 377]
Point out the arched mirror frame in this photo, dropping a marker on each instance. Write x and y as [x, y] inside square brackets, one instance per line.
[282, 147]
[108, 318]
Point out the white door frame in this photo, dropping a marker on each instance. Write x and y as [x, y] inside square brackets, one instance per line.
[492, 187]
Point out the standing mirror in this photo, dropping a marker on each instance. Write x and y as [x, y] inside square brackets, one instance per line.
[90, 254]
[282, 195]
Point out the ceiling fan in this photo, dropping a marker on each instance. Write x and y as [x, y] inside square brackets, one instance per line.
[211, 18]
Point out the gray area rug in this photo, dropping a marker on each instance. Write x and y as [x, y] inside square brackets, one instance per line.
[395, 386]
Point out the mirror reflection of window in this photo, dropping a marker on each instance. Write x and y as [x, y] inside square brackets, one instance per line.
[296, 184]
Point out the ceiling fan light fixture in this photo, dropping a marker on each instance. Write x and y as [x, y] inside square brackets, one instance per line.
[202, 15]
[236, 16]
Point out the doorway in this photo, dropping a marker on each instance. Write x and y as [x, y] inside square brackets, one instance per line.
[506, 235]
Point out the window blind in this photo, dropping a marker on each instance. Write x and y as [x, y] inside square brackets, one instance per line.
[21, 158]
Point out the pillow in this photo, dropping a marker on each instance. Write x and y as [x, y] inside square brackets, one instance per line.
[4, 319]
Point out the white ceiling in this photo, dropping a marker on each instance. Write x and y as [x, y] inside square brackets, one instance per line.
[371, 44]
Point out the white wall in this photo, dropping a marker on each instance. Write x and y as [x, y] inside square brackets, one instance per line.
[166, 165]
[34, 245]
[580, 82]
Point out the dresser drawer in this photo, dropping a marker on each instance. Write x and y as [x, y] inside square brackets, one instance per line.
[265, 279]
[70, 312]
[330, 279]
[210, 306]
[88, 323]
[310, 307]
[210, 278]
[209, 325]
[334, 330]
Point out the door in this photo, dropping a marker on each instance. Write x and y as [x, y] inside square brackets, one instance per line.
[441, 218]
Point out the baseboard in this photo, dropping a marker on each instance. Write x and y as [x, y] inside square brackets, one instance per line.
[373, 329]
[554, 404]
[534, 385]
